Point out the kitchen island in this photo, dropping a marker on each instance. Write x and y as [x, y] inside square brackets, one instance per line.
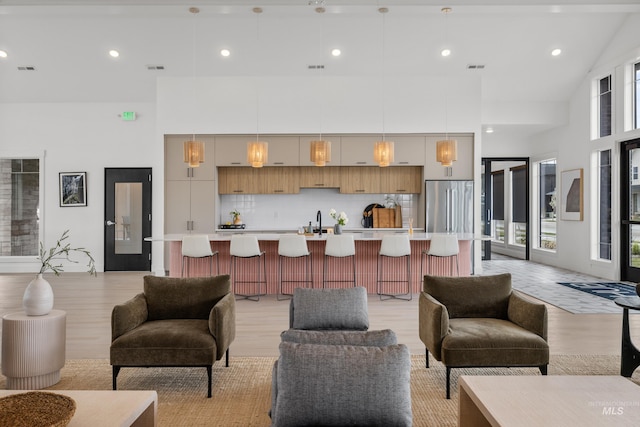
[367, 247]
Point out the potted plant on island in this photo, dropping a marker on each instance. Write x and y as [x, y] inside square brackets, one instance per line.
[38, 297]
[235, 215]
[341, 220]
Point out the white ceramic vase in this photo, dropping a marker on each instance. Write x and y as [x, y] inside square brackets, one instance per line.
[337, 229]
[38, 297]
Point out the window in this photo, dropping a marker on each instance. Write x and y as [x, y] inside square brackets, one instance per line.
[519, 205]
[604, 204]
[497, 220]
[548, 205]
[604, 106]
[636, 96]
[19, 207]
[634, 172]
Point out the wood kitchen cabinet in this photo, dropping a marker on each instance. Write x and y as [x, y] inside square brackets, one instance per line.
[401, 179]
[283, 151]
[319, 177]
[409, 150]
[360, 179]
[358, 150]
[265, 180]
[231, 150]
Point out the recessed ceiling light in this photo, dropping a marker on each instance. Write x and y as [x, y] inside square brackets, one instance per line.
[3, 54]
[336, 52]
[114, 53]
[556, 52]
[225, 52]
[445, 52]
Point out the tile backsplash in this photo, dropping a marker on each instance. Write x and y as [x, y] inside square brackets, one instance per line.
[291, 211]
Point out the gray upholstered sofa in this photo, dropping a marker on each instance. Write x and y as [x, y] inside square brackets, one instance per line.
[478, 321]
[333, 372]
[176, 322]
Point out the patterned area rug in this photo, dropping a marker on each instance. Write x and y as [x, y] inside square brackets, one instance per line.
[608, 290]
[242, 392]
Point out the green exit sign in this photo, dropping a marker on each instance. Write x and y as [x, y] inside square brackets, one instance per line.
[128, 116]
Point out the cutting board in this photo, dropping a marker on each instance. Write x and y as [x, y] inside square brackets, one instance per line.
[387, 218]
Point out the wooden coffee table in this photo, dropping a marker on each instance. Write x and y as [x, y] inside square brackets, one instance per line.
[105, 408]
[554, 400]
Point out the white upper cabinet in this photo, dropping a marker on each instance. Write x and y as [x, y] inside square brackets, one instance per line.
[283, 150]
[231, 150]
[461, 169]
[305, 149]
[409, 150]
[358, 150]
[175, 167]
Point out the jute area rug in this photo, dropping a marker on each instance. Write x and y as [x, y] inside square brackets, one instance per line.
[242, 392]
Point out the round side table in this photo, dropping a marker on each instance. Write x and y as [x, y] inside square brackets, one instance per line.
[630, 356]
[33, 349]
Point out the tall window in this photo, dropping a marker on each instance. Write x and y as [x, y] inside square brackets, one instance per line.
[519, 205]
[604, 205]
[548, 204]
[497, 220]
[604, 106]
[19, 206]
[636, 96]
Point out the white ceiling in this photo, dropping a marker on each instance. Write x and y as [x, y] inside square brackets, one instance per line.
[67, 42]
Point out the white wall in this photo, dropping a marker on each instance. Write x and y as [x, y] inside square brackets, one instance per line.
[77, 138]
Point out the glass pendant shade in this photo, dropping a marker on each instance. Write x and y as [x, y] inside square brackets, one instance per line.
[320, 152]
[257, 153]
[193, 153]
[383, 153]
[447, 151]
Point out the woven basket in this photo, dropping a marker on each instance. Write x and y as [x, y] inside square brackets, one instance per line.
[36, 409]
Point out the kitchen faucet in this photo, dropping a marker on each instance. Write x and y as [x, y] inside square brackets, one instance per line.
[319, 219]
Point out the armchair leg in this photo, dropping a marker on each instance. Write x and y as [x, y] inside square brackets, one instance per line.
[543, 369]
[448, 382]
[226, 358]
[116, 371]
[209, 386]
[426, 350]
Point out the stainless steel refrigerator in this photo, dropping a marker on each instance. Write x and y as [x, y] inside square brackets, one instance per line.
[449, 206]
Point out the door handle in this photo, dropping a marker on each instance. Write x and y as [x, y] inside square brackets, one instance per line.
[109, 222]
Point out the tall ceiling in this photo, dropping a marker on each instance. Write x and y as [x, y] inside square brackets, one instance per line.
[67, 43]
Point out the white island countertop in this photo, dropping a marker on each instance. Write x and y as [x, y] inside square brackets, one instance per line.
[358, 234]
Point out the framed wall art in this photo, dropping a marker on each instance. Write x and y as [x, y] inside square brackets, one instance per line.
[73, 189]
[572, 195]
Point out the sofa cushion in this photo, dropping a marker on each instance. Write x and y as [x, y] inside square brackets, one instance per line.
[472, 296]
[381, 338]
[177, 342]
[492, 342]
[329, 309]
[183, 298]
[335, 385]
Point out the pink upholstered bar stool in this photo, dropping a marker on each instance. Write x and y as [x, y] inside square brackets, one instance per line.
[291, 248]
[394, 246]
[339, 246]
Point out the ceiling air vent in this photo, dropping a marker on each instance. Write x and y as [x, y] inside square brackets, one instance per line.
[27, 68]
[315, 67]
[155, 67]
[475, 67]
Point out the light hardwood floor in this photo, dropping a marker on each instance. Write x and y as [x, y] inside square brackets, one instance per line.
[88, 302]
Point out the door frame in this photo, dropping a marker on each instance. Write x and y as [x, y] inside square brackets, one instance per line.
[488, 202]
[627, 272]
[127, 262]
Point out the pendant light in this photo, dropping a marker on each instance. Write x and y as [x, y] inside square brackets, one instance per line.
[383, 150]
[320, 149]
[446, 149]
[257, 151]
[193, 151]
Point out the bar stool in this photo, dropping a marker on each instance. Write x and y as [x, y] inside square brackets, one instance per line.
[198, 246]
[441, 246]
[394, 246]
[294, 246]
[339, 246]
[245, 247]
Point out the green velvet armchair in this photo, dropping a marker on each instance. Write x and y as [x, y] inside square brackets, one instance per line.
[176, 322]
[478, 321]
